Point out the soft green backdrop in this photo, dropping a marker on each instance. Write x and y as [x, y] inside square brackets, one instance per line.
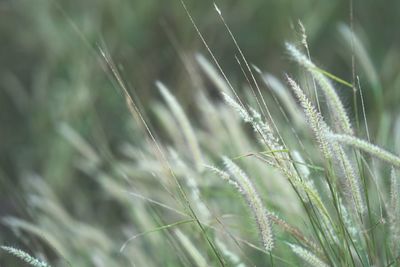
[50, 73]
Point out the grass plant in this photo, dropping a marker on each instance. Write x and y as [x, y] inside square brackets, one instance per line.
[313, 193]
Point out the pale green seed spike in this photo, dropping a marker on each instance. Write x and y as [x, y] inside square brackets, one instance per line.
[262, 128]
[333, 99]
[78, 142]
[254, 201]
[285, 97]
[394, 191]
[35, 230]
[367, 147]
[238, 108]
[213, 74]
[242, 183]
[314, 118]
[394, 211]
[307, 256]
[233, 258]
[25, 257]
[360, 53]
[353, 180]
[184, 123]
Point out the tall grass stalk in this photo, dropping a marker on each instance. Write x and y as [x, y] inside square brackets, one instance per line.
[314, 192]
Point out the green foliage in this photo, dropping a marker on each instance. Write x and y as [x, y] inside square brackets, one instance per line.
[89, 181]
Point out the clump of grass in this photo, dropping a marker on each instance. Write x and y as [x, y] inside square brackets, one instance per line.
[338, 213]
[331, 150]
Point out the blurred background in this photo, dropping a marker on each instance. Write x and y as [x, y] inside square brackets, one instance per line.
[52, 80]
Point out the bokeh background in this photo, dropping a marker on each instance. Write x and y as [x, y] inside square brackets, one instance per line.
[52, 75]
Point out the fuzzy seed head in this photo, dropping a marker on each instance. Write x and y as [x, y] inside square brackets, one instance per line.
[307, 256]
[24, 256]
[254, 201]
[314, 118]
[334, 102]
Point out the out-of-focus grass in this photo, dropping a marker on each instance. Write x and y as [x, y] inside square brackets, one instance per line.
[53, 83]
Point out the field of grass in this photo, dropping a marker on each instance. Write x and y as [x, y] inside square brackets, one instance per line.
[194, 133]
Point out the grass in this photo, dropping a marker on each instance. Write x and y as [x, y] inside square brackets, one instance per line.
[302, 182]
